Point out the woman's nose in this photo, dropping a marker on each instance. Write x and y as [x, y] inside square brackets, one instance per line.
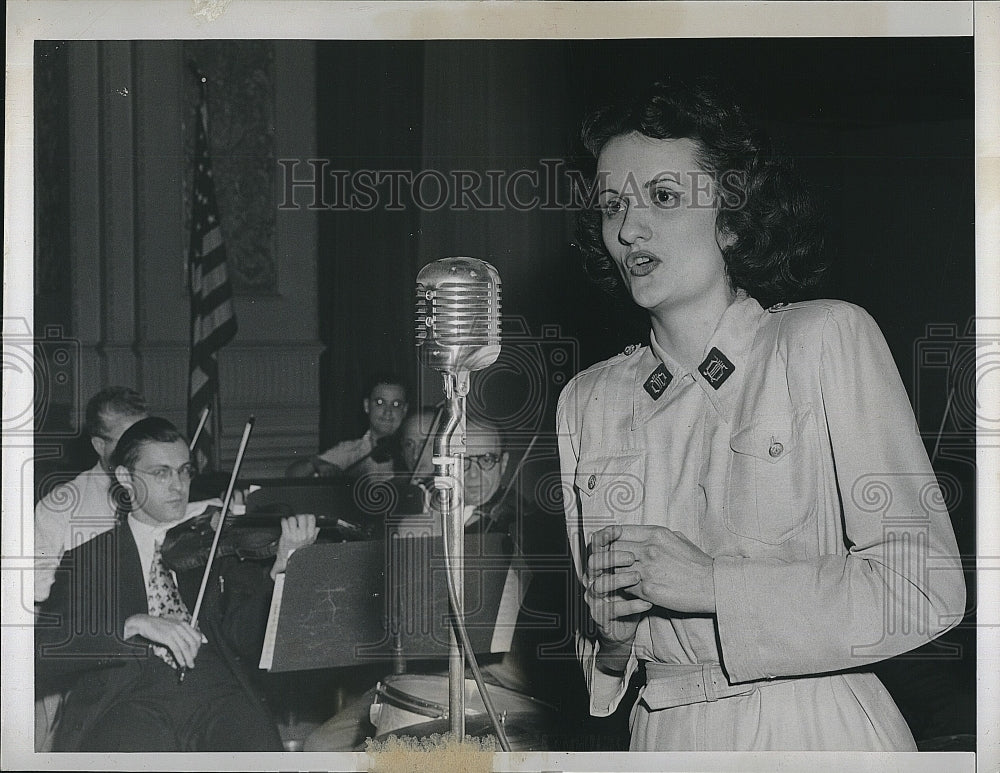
[634, 226]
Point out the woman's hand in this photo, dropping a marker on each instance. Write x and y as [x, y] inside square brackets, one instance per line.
[297, 531]
[179, 637]
[656, 564]
[613, 606]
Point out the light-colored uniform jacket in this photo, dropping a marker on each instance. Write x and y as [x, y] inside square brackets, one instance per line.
[795, 462]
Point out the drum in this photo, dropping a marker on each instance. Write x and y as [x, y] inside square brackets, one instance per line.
[524, 731]
[405, 700]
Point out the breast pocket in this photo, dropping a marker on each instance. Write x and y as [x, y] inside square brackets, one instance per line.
[771, 489]
[609, 490]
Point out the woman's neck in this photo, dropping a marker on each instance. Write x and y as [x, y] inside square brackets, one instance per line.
[684, 332]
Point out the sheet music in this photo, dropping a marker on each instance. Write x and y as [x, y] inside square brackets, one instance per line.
[514, 587]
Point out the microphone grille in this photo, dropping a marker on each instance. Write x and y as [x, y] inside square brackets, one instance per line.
[458, 303]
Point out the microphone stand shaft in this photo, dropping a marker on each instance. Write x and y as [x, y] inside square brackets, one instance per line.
[447, 470]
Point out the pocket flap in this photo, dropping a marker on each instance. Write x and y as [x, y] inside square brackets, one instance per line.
[596, 472]
[769, 439]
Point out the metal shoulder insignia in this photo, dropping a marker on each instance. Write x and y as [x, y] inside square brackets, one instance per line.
[777, 307]
[631, 349]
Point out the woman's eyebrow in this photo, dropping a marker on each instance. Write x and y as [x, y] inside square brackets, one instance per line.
[670, 177]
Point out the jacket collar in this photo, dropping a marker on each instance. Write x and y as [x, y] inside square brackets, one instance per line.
[720, 374]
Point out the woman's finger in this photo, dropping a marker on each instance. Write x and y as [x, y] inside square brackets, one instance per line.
[614, 581]
[606, 560]
[605, 537]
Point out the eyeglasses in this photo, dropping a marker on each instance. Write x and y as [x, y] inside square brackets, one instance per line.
[381, 402]
[163, 475]
[485, 461]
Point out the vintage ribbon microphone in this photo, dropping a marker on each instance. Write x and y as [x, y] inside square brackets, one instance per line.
[457, 332]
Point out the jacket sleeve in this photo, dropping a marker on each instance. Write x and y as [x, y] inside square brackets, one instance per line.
[606, 691]
[50, 542]
[242, 607]
[899, 583]
[76, 628]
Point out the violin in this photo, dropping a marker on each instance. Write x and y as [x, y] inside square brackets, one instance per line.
[253, 537]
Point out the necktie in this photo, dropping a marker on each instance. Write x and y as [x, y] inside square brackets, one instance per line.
[164, 600]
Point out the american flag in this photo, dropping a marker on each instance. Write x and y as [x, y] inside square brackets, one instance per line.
[213, 323]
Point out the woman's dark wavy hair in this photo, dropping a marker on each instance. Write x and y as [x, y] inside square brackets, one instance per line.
[150, 430]
[776, 255]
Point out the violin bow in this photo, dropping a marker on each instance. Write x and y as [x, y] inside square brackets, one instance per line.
[513, 479]
[426, 449]
[218, 529]
[202, 418]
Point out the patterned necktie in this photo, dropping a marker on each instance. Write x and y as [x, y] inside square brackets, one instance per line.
[164, 600]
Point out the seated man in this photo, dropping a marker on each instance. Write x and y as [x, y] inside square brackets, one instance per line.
[117, 623]
[489, 508]
[373, 452]
[416, 444]
[74, 512]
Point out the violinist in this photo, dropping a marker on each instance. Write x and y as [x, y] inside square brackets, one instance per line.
[375, 452]
[116, 627]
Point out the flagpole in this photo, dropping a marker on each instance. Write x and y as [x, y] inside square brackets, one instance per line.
[216, 433]
[213, 321]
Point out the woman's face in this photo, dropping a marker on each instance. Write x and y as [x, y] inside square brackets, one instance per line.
[658, 210]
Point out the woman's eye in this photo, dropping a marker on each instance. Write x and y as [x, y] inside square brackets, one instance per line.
[664, 197]
[613, 207]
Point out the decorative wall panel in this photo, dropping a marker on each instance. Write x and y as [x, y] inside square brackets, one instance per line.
[241, 84]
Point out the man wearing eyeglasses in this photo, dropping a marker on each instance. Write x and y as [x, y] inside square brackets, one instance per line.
[485, 463]
[117, 626]
[373, 452]
[489, 508]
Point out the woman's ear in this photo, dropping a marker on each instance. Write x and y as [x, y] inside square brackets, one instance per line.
[725, 238]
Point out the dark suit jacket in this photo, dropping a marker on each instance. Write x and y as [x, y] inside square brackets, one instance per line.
[78, 637]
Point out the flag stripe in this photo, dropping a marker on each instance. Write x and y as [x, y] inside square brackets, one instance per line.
[212, 240]
[211, 281]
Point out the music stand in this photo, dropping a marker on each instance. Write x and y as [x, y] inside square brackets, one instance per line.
[335, 605]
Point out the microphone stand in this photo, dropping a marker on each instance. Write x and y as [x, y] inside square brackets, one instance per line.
[449, 483]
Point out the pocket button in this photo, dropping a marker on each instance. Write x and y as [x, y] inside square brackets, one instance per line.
[775, 449]
[591, 482]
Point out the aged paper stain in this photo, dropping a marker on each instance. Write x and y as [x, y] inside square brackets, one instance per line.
[433, 754]
[209, 10]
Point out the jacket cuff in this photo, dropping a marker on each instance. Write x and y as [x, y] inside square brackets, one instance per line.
[606, 690]
[736, 621]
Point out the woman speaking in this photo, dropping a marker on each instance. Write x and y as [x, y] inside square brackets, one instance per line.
[752, 510]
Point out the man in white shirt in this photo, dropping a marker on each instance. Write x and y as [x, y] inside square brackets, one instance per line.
[77, 511]
[373, 452]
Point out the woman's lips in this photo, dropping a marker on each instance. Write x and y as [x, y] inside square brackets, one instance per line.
[641, 263]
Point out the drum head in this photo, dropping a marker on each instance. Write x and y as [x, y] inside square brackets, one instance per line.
[526, 731]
